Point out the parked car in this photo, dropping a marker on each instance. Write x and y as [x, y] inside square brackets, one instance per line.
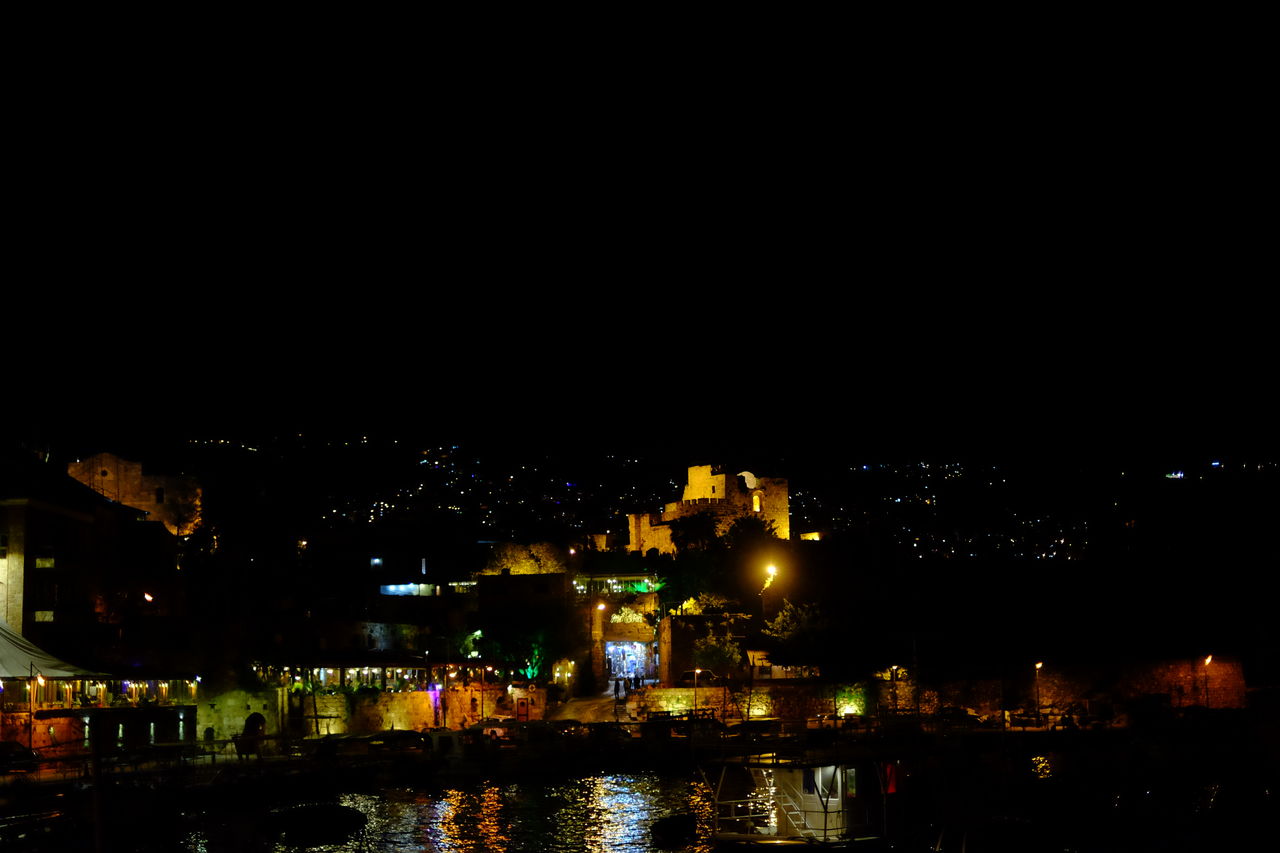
[398, 740]
[959, 718]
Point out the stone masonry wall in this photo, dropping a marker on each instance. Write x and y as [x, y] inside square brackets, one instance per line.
[1218, 684]
[786, 701]
[226, 712]
[13, 524]
[645, 535]
[777, 506]
[123, 481]
[419, 710]
[719, 495]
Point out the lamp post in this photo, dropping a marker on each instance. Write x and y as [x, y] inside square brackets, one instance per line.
[770, 572]
[482, 672]
[600, 666]
[1039, 664]
[696, 673]
[444, 695]
[1208, 660]
[35, 676]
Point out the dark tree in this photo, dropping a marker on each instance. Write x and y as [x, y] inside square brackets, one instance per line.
[750, 531]
[695, 532]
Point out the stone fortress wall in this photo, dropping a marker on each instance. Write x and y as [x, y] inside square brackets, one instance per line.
[173, 500]
[721, 492]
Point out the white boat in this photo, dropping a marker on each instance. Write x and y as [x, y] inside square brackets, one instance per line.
[764, 801]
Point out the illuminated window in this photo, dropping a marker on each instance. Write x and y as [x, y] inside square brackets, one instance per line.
[755, 502]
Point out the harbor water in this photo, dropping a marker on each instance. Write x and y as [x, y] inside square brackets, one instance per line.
[606, 813]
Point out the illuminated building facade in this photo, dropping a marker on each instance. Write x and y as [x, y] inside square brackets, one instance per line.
[173, 500]
[727, 496]
[73, 565]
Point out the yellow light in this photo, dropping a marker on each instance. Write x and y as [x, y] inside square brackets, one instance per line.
[771, 571]
[1208, 660]
[148, 596]
[1039, 664]
[600, 606]
[40, 679]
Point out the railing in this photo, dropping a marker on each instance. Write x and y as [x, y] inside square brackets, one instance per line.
[729, 818]
[739, 816]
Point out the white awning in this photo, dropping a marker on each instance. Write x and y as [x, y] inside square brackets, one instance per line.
[20, 659]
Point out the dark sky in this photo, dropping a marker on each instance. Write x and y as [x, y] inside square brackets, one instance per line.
[913, 264]
[856, 362]
[842, 384]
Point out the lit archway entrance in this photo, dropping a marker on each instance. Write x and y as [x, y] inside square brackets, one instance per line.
[628, 659]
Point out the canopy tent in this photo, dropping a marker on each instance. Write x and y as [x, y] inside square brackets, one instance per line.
[20, 659]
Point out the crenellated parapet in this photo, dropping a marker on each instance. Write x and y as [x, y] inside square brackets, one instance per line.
[717, 491]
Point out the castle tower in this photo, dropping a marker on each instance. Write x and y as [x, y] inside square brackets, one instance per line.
[714, 489]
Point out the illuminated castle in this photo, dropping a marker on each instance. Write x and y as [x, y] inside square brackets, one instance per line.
[173, 500]
[726, 496]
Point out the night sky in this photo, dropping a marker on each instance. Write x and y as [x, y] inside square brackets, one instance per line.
[1004, 270]
[996, 252]
[777, 385]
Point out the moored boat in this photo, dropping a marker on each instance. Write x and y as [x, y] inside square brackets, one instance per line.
[767, 801]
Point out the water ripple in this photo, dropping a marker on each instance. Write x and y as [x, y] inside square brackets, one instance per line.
[598, 814]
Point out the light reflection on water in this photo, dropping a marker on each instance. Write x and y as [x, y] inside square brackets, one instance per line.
[598, 814]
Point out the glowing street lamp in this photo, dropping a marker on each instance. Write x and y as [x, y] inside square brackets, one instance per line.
[1039, 664]
[482, 672]
[696, 673]
[1207, 660]
[37, 676]
[770, 572]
